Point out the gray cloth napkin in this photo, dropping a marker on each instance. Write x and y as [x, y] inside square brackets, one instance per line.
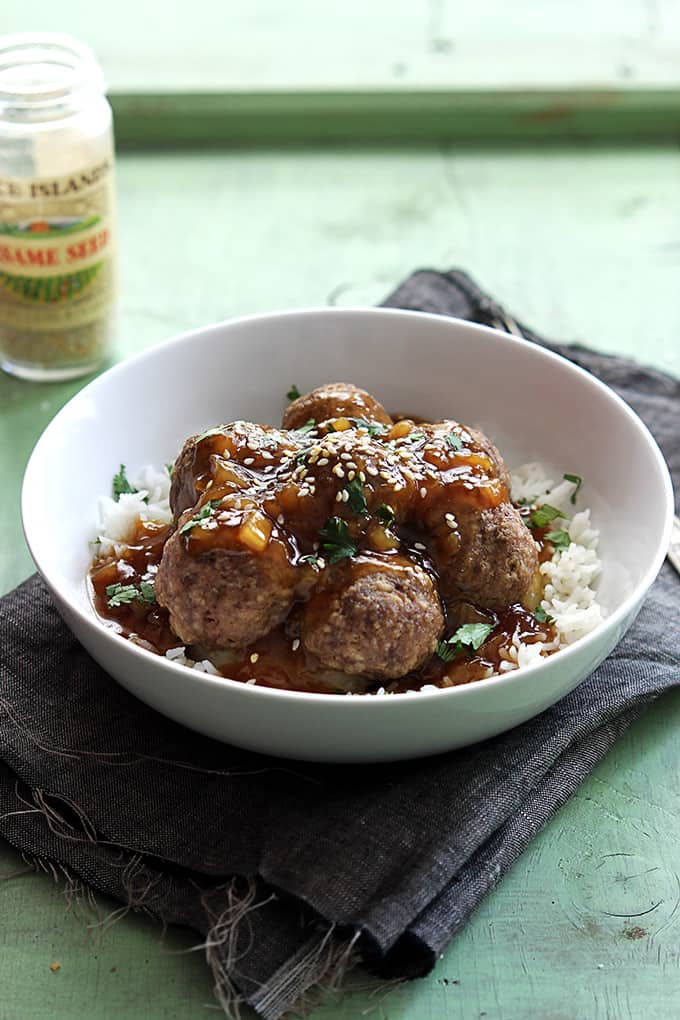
[293, 872]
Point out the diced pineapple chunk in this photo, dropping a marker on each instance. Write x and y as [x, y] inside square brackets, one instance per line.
[255, 532]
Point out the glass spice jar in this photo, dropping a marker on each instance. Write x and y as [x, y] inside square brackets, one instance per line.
[57, 229]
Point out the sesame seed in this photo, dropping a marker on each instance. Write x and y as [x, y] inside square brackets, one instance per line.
[254, 657]
[373, 471]
[249, 461]
[423, 492]
[338, 470]
[338, 497]
[352, 475]
[419, 546]
[345, 496]
[296, 644]
[251, 681]
[321, 563]
[385, 475]
[345, 456]
[280, 519]
[267, 455]
[323, 462]
[362, 476]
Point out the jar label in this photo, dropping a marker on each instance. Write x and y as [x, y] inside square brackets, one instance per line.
[57, 266]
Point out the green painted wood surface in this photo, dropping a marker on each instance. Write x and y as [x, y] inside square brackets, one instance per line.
[583, 243]
[390, 71]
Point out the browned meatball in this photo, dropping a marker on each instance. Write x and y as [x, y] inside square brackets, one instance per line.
[496, 561]
[182, 486]
[480, 444]
[336, 400]
[237, 443]
[382, 619]
[225, 596]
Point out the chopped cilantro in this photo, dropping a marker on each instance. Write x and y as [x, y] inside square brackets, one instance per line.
[357, 500]
[413, 437]
[470, 635]
[525, 501]
[148, 594]
[578, 482]
[293, 393]
[542, 616]
[560, 539]
[454, 441]
[170, 468]
[337, 542]
[124, 594]
[202, 515]
[308, 426]
[121, 485]
[301, 454]
[312, 559]
[445, 651]
[374, 428]
[210, 432]
[385, 514]
[543, 515]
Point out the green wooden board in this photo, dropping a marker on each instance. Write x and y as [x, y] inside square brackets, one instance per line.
[390, 71]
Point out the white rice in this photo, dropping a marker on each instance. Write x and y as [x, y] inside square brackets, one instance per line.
[571, 576]
[117, 520]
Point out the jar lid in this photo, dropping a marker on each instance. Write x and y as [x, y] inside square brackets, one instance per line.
[41, 70]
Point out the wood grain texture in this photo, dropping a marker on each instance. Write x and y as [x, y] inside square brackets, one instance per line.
[583, 243]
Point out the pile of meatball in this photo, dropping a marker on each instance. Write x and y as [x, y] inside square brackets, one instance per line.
[357, 533]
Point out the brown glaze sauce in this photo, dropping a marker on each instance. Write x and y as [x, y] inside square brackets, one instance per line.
[250, 485]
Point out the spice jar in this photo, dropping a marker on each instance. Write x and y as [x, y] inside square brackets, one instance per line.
[57, 230]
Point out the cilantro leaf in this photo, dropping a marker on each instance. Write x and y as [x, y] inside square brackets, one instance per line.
[308, 426]
[357, 500]
[542, 616]
[293, 393]
[543, 515]
[385, 514]
[121, 484]
[374, 428]
[446, 651]
[202, 515]
[413, 437]
[123, 594]
[312, 559]
[210, 432]
[578, 482]
[147, 592]
[454, 441]
[469, 635]
[560, 539]
[170, 468]
[337, 542]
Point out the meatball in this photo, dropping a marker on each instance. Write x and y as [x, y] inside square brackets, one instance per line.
[480, 442]
[222, 598]
[496, 561]
[336, 400]
[381, 619]
[183, 484]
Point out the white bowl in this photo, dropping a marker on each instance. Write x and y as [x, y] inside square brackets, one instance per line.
[535, 405]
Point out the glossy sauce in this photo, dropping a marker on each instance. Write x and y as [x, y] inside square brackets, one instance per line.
[247, 488]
